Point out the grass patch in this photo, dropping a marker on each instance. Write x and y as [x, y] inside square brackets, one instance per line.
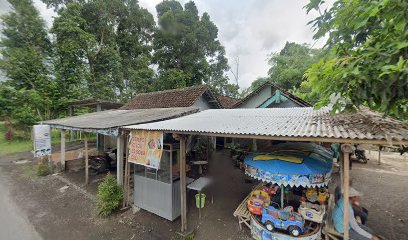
[21, 145]
[7, 147]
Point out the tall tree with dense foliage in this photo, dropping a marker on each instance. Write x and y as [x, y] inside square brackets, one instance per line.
[289, 65]
[369, 41]
[25, 51]
[103, 48]
[187, 50]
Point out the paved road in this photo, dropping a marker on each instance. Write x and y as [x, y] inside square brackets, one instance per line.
[14, 225]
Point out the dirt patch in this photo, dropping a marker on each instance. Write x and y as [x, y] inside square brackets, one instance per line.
[60, 207]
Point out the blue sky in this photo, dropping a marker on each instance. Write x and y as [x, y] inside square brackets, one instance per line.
[249, 29]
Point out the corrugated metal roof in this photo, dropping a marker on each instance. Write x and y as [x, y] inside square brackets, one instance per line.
[117, 118]
[302, 124]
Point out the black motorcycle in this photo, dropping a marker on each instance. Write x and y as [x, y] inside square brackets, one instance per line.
[360, 155]
[102, 164]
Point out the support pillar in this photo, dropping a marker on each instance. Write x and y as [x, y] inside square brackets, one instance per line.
[119, 159]
[379, 155]
[346, 149]
[86, 159]
[183, 183]
[71, 132]
[62, 158]
[254, 146]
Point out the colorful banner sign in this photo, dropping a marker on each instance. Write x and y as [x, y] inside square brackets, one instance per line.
[42, 140]
[146, 147]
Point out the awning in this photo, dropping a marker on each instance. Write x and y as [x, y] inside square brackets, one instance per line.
[108, 122]
[289, 124]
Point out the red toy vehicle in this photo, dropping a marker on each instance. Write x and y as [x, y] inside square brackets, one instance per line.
[257, 201]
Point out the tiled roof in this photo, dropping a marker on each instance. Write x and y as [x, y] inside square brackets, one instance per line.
[181, 97]
[290, 124]
[293, 98]
[227, 102]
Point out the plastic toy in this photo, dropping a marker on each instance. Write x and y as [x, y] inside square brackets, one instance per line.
[311, 194]
[270, 190]
[322, 196]
[312, 212]
[257, 200]
[284, 219]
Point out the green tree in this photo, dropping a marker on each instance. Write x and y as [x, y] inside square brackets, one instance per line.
[25, 50]
[103, 48]
[187, 50]
[289, 65]
[369, 66]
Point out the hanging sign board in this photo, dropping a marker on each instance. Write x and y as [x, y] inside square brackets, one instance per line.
[42, 140]
[146, 147]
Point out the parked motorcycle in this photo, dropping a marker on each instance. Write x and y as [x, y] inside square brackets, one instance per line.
[360, 155]
[102, 164]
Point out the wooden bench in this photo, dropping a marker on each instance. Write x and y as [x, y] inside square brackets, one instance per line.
[242, 212]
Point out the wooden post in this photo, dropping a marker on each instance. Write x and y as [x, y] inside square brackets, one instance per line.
[379, 155]
[71, 132]
[119, 159]
[341, 164]
[62, 158]
[254, 147]
[86, 159]
[346, 149]
[126, 185]
[183, 183]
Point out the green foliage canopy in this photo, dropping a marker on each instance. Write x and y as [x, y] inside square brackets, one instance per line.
[28, 94]
[187, 50]
[289, 65]
[369, 43]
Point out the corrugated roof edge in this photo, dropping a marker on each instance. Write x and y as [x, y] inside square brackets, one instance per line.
[54, 122]
[371, 137]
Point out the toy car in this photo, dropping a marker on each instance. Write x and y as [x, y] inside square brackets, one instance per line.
[257, 201]
[284, 219]
[312, 212]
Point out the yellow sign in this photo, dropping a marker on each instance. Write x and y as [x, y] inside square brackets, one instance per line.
[146, 147]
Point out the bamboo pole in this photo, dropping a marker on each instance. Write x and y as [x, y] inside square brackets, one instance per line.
[86, 159]
[119, 158]
[346, 149]
[125, 185]
[62, 158]
[183, 183]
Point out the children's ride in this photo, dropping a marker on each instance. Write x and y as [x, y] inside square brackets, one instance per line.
[284, 219]
[258, 200]
[312, 212]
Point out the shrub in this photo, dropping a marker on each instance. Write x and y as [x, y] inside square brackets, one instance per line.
[109, 196]
[43, 169]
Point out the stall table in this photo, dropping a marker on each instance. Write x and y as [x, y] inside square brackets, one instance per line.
[198, 185]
